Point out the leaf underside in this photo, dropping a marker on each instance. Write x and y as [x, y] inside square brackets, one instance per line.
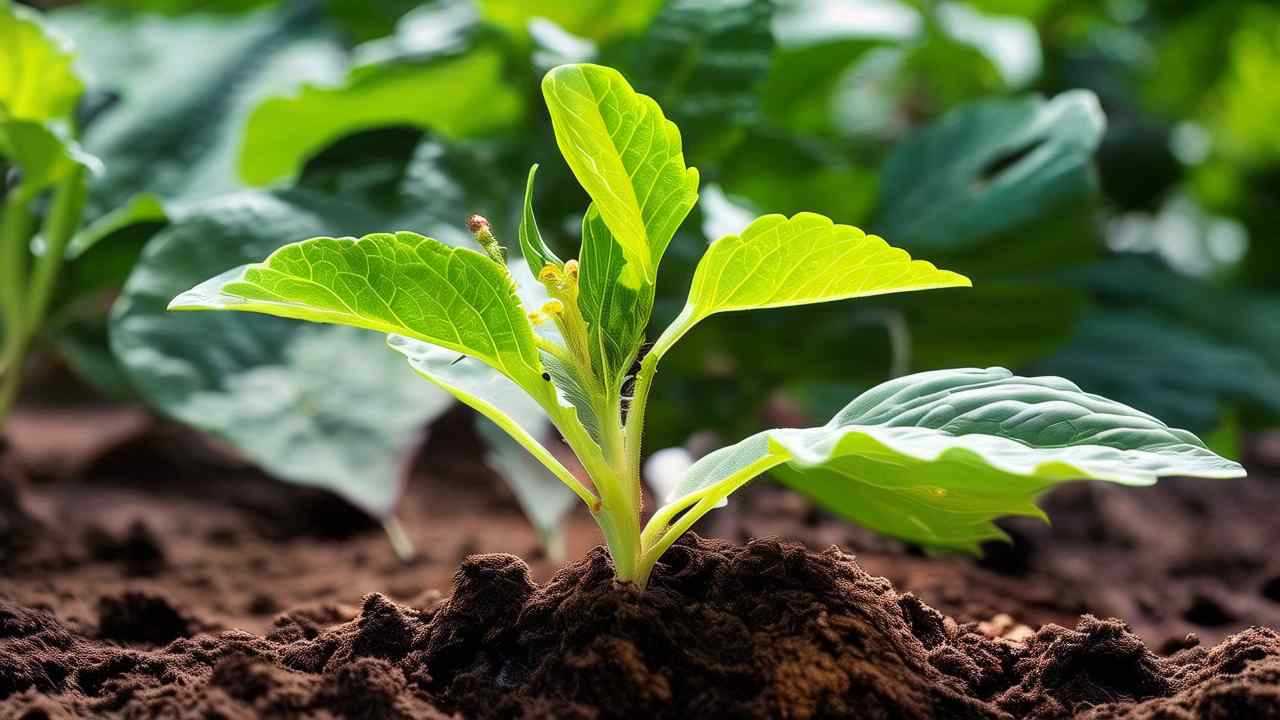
[934, 458]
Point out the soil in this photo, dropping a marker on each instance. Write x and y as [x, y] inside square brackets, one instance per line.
[152, 575]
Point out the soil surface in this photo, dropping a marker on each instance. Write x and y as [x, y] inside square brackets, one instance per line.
[144, 573]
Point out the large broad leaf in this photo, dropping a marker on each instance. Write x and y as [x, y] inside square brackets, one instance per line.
[401, 283]
[1168, 368]
[987, 168]
[172, 128]
[595, 19]
[706, 61]
[37, 81]
[627, 156]
[935, 457]
[779, 262]
[317, 405]
[454, 95]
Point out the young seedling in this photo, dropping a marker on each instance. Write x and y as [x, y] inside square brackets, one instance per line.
[38, 157]
[933, 457]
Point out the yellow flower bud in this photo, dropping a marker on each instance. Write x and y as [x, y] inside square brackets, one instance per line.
[553, 307]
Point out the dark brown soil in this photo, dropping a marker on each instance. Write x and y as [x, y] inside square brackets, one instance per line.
[766, 630]
[147, 574]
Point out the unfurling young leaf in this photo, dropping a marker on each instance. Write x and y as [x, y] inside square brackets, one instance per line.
[931, 458]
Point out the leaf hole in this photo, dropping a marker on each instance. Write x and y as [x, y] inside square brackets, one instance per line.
[1004, 161]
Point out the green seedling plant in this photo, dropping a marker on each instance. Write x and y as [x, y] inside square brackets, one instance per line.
[40, 159]
[932, 458]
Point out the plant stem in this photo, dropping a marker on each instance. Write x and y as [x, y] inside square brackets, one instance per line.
[15, 231]
[60, 225]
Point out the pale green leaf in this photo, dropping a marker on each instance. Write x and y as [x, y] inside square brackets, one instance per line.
[401, 283]
[935, 457]
[779, 262]
[627, 156]
[456, 96]
[490, 394]
[37, 80]
[536, 253]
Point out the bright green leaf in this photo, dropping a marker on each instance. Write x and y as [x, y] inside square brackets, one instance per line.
[934, 458]
[627, 156]
[616, 314]
[536, 253]
[779, 262]
[457, 95]
[37, 80]
[401, 283]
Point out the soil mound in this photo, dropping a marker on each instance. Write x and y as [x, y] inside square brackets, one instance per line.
[762, 630]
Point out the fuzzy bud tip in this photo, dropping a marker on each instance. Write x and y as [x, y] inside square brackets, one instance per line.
[476, 223]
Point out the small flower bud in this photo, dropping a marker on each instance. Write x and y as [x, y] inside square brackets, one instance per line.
[553, 307]
[537, 318]
[549, 275]
[479, 226]
[571, 269]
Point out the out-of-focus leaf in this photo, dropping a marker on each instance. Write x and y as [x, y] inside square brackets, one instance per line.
[705, 62]
[935, 457]
[458, 95]
[37, 81]
[594, 19]
[987, 168]
[142, 209]
[788, 175]
[173, 127]
[317, 405]
[1166, 368]
[44, 155]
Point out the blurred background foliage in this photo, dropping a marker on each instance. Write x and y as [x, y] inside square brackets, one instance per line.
[1106, 171]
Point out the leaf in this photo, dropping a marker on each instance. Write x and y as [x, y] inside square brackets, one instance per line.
[401, 283]
[987, 168]
[457, 95]
[935, 457]
[173, 128]
[627, 157]
[311, 404]
[709, 59]
[43, 153]
[37, 80]
[536, 253]
[780, 262]
[594, 19]
[616, 314]
[487, 392]
[141, 209]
